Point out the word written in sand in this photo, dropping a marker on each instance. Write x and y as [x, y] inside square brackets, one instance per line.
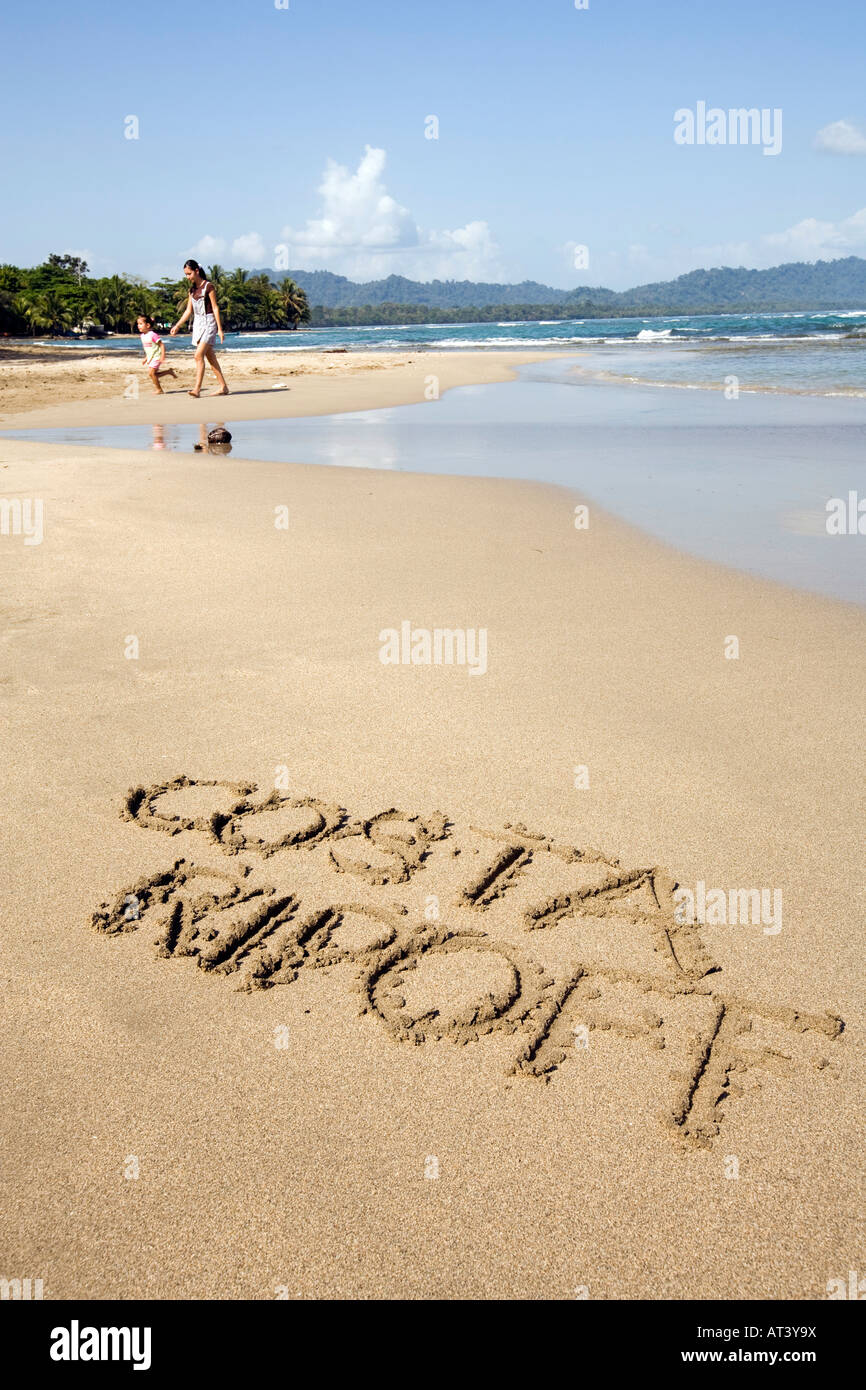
[462, 934]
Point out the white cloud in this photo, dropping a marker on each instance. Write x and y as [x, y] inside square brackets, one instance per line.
[812, 240]
[809, 240]
[249, 251]
[207, 249]
[841, 137]
[364, 233]
[356, 211]
[83, 255]
[467, 247]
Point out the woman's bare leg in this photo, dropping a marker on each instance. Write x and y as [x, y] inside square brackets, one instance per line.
[215, 368]
[199, 369]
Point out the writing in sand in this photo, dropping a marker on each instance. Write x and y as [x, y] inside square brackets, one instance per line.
[459, 933]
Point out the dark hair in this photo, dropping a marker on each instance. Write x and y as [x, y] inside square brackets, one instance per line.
[194, 265]
[146, 318]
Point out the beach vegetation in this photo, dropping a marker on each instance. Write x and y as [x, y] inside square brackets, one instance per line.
[268, 300]
[60, 299]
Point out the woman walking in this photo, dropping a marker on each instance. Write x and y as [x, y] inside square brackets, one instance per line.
[206, 324]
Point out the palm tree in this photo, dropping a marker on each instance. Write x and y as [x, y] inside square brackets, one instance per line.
[257, 298]
[182, 297]
[294, 302]
[276, 309]
[32, 309]
[45, 313]
[124, 298]
[8, 313]
[234, 296]
[232, 305]
[60, 316]
[167, 299]
[115, 302]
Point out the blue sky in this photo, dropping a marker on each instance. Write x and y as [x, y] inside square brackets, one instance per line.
[304, 127]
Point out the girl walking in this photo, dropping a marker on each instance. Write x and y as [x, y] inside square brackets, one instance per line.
[206, 324]
[154, 353]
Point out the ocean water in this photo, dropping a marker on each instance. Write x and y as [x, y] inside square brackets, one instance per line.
[820, 353]
[744, 482]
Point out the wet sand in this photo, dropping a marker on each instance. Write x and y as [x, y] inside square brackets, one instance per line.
[463, 1050]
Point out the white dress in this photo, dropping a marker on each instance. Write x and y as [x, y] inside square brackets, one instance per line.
[204, 328]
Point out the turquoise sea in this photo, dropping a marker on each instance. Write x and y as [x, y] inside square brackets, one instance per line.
[814, 353]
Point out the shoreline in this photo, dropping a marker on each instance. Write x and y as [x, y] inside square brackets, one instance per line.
[320, 383]
[764, 459]
[25, 451]
[53, 386]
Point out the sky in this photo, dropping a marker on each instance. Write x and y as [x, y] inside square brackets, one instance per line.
[243, 133]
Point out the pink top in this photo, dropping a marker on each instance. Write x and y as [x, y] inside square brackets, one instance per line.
[150, 342]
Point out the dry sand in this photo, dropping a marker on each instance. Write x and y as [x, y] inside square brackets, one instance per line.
[320, 1091]
[44, 387]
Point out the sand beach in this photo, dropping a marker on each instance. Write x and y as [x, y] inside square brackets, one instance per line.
[330, 976]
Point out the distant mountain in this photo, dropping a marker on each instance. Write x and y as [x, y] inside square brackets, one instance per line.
[336, 292]
[798, 285]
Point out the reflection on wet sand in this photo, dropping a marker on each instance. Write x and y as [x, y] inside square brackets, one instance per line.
[747, 488]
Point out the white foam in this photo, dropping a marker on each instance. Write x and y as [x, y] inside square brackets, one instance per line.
[528, 343]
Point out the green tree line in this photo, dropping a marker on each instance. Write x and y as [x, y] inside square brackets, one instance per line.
[59, 298]
[379, 314]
